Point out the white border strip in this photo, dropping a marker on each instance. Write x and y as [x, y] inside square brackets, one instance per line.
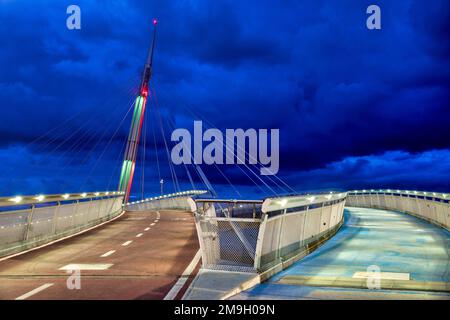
[182, 280]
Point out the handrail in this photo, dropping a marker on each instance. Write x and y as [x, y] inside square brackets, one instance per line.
[275, 204]
[170, 195]
[41, 198]
[409, 193]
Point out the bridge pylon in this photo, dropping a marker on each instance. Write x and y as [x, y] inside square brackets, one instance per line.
[129, 163]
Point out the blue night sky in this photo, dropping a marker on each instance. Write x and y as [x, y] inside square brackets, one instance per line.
[356, 108]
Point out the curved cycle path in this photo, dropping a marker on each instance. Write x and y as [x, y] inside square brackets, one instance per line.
[141, 255]
[377, 254]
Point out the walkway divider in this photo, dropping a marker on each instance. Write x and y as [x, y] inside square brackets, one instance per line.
[433, 207]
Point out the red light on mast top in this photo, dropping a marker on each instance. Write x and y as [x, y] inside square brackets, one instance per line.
[144, 92]
[155, 21]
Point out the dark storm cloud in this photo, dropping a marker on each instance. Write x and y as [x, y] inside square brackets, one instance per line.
[336, 90]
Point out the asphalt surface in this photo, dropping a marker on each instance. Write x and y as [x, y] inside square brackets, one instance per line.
[141, 255]
[398, 245]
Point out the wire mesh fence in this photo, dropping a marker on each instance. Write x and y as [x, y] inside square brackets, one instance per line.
[228, 244]
[253, 236]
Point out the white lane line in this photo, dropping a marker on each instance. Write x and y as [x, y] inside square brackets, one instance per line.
[127, 242]
[182, 280]
[139, 235]
[156, 220]
[34, 291]
[146, 229]
[158, 215]
[107, 253]
[87, 266]
[152, 224]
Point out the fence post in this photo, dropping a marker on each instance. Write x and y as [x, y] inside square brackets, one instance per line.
[259, 242]
[29, 220]
[302, 234]
[100, 203]
[75, 211]
[278, 256]
[55, 217]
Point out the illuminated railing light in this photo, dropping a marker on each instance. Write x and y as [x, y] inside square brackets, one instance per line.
[84, 194]
[40, 198]
[16, 199]
[97, 194]
[66, 196]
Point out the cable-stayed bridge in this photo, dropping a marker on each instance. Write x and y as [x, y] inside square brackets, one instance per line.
[191, 244]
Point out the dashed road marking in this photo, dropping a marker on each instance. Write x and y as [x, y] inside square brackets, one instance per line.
[87, 266]
[127, 242]
[34, 291]
[139, 235]
[152, 224]
[146, 229]
[108, 253]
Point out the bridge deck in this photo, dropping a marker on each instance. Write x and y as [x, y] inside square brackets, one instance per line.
[399, 244]
[146, 268]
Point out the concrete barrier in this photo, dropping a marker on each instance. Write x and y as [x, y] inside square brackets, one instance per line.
[31, 221]
[431, 206]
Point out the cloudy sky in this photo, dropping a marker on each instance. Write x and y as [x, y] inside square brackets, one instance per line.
[356, 108]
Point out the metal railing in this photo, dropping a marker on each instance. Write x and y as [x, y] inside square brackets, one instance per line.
[253, 236]
[31, 221]
[178, 201]
[431, 206]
